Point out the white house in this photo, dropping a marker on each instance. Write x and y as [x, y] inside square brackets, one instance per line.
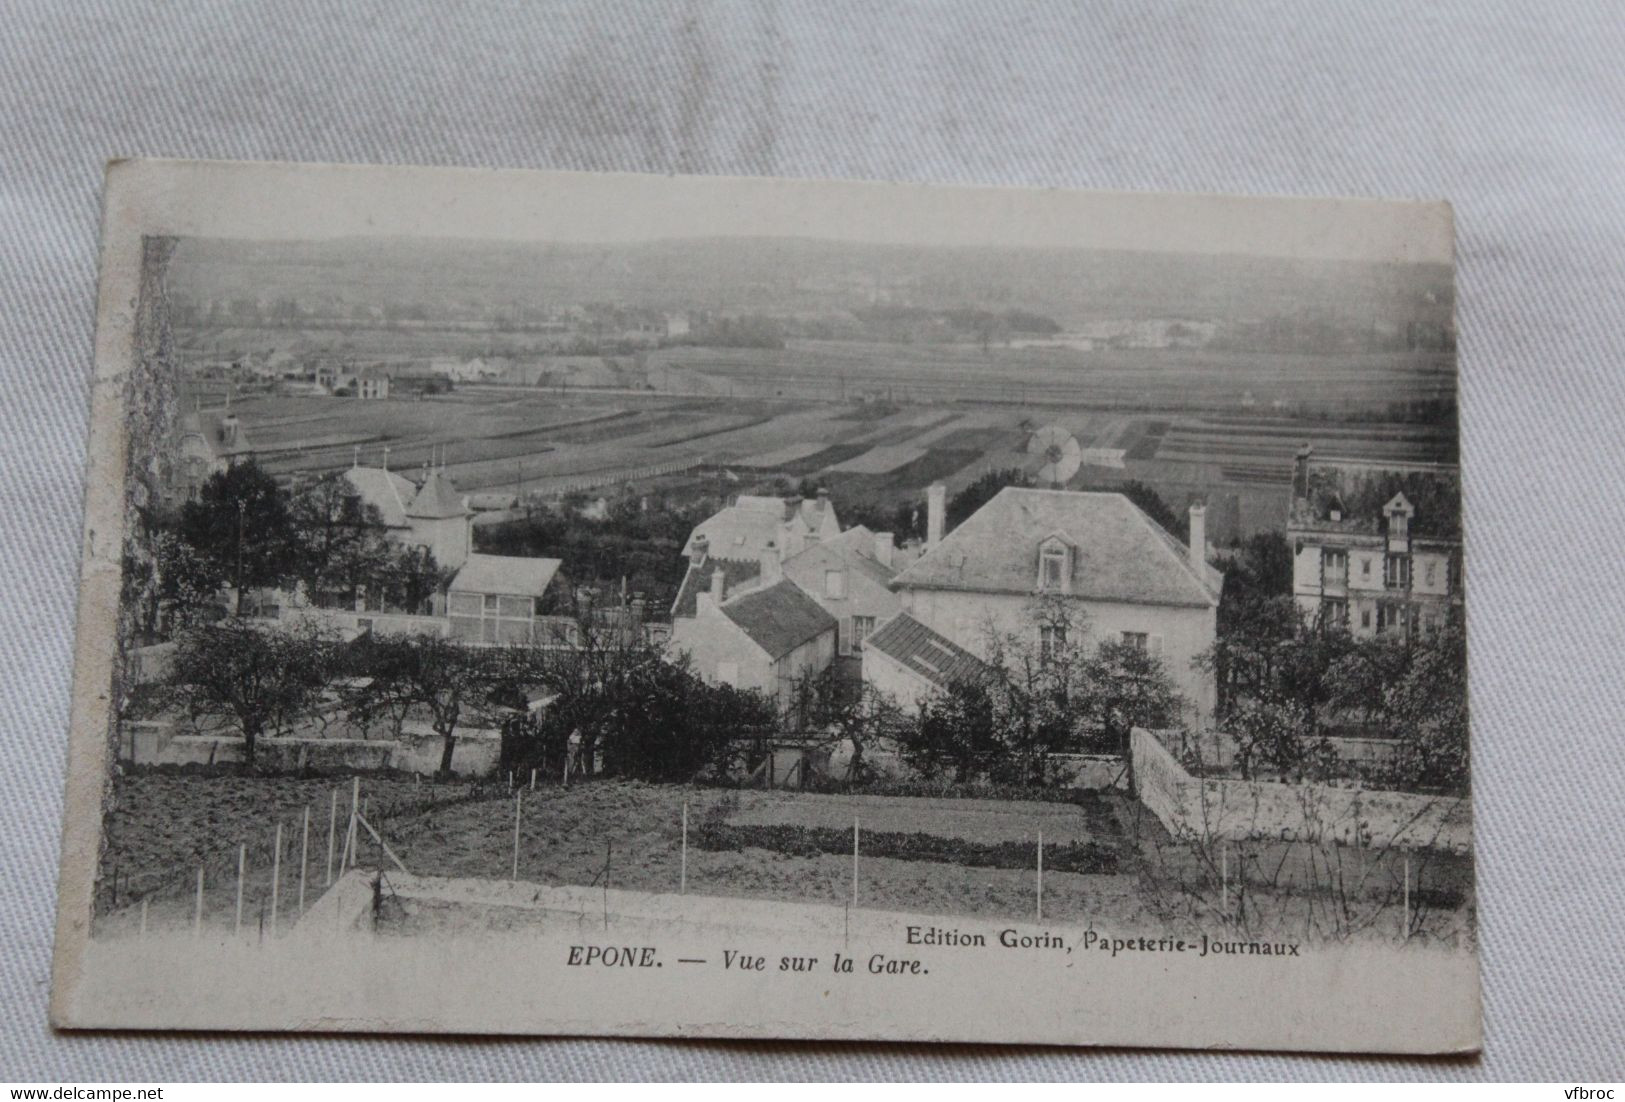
[499, 599]
[765, 638]
[431, 515]
[741, 532]
[1376, 547]
[849, 576]
[1122, 574]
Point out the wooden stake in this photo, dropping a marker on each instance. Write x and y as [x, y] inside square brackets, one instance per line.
[854, 860]
[1405, 911]
[1224, 877]
[682, 883]
[355, 809]
[332, 834]
[304, 857]
[242, 863]
[533, 780]
[197, 913]
[144, 920]
[1040, 876]
[276, 876]
[518, 807]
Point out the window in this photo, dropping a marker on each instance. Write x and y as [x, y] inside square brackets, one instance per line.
[1139, 640]
[1051, 641]
[1334, 566]
[1365, 617]
[1052, 568]
[1398, 526]
[1334, 613]
[490, 602]
[862, 628]
[835, 585]
[1396, 572]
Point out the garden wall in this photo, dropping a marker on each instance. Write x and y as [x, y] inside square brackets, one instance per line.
[1208, 808]
[417, 751]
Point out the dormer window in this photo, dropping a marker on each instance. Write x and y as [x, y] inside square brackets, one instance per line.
[1399, 512]
[1054, 566]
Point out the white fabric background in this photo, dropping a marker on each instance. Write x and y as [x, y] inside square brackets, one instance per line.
[1515, 112]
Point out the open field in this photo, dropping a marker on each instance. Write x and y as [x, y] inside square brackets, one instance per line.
[1190, 424]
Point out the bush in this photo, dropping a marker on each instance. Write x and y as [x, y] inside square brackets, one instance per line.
[800, 841]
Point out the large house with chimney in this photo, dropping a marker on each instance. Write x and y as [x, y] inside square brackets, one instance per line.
[1376, 546]
[753, 524]
[208, 442]
[430, 513]
[1121, 576]
[766, 638]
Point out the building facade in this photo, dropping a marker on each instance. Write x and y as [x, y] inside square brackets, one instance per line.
[1376, 547]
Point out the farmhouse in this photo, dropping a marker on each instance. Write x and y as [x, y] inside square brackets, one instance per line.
[1118, 573]
[849, 576]
[431, 515]
[741, 532]
[765, 638]
[1375, 546]
[499, 599]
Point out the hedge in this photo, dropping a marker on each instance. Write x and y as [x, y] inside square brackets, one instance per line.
[801, 841]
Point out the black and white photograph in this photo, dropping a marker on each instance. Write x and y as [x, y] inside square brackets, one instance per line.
[534, 602]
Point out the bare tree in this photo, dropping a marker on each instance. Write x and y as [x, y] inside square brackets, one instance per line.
[257, 678]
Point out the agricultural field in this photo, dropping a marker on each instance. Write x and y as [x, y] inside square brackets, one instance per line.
[878, 423]
[1107, 862]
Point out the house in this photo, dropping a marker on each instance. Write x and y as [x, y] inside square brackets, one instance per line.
[910, 663]
[209, 442]
[766, 638]
[431, 515]
[1116, 571]
[499, 599]
[849, 575]
[741, 532]
[371, 383]
[1375, 546]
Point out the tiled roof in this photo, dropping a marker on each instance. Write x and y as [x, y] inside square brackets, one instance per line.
[778, 618]
[1118, 552]
[1359, 490]
[907, 641]
[437, 499]
[386, 490]
[505, 574]
[853, 549]
[698, 579]
[750, 525]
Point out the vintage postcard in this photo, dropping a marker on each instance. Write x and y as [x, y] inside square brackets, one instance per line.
[611, 604]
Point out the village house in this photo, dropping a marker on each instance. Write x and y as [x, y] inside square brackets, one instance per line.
[766, 638]
[741, 532]
[431, 514]
[209, 442]
[1118, 574]
[1376, 547]
[849, 576]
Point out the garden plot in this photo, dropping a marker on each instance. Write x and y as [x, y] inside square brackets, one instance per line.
[780, 457]
[882, 460]
[984, 821]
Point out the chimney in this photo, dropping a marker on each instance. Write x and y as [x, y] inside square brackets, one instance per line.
[719, 584]
[883, 549]
[1198, 544]
[772, 570]
[823, 499]
[936, 505]
[698, 550]
[1300, 471]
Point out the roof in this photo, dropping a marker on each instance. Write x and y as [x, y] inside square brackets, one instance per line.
[697, 580]
[1120, 554]
[853, 548]
[210, 426]
[750, 525]
[922, 651]
[509, 574]
[386, 490]
[1359, 490]
[778, 618]
[437, 499]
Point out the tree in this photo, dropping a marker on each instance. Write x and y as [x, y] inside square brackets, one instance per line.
[240, 523]
[1426, 709]
[340, 539]
[452, 682]
[258, 678]
[840, 711]
[1126, 686]
[954, 732]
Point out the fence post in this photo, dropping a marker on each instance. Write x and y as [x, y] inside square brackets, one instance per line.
[197, 913]
[854, 860]
[1405, 909]
[332, 834]
[1224, 877]
[350, 845]
[518, 805]
[304, 858]
[1040, 876]
[242, 861]
[276, 876]
[682, 882]
[144, 902]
